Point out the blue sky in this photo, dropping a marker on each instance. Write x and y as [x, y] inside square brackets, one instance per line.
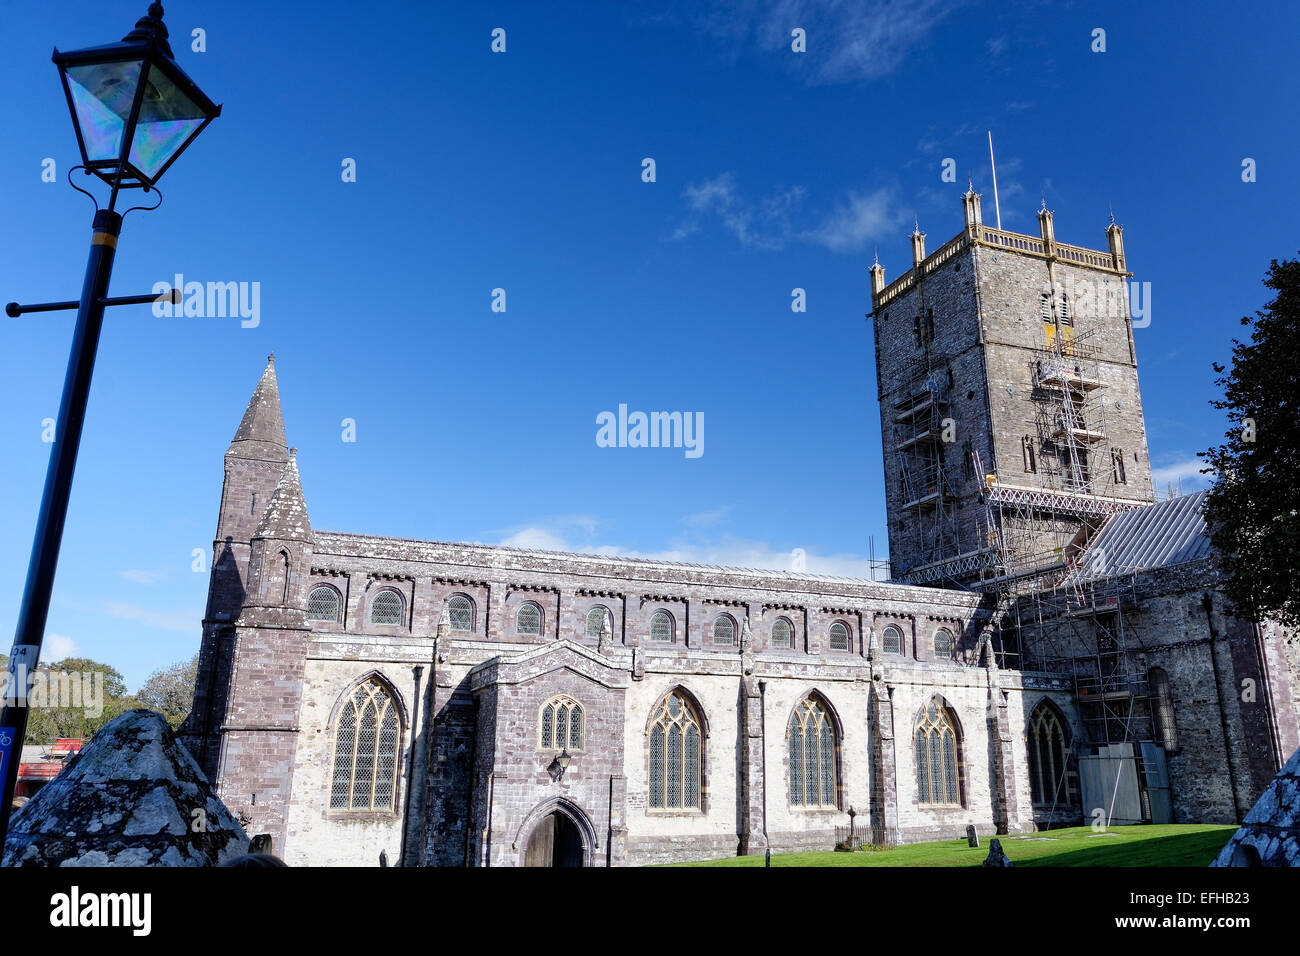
[522, 171]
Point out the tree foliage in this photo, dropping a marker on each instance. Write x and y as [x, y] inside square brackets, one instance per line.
[1252, 511]
[73, 697]
[170, 690]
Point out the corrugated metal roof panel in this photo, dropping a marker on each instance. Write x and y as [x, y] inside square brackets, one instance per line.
[1154, 536]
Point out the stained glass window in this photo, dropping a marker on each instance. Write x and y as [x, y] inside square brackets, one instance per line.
[529, 619]
[367, 744]
[782, 633]
[323, 604]
[1049, 778]
[461, 611]
[548, 723]
[943, 644]
[661, 627]
[724, 630]
[813, 747]
[387, 608]
[676, 756]
[839, 637]
[893, 640]
[657, 766]
[938, 770]
[562, 725]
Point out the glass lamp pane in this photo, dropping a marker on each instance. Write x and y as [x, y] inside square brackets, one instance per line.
[167, 119]
[102, 94]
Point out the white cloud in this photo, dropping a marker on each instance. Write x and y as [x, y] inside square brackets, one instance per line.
[756, 225]
[59, 646]
[706, 519]
[1184, 472]
[847, 40]
[724, 552]
[858, 221]
[765, 224]
[997, 46]
[141, 577]
[186, 623]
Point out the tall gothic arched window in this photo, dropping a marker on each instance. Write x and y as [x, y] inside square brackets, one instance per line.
[367, 742]
[813, 746]
[938, 768]
[676, 756]
[1048, 747]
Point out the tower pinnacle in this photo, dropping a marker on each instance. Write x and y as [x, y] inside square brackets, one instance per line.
[261, 432]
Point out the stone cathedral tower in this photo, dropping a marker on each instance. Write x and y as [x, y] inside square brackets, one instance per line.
[1010, 411]
[243, 726]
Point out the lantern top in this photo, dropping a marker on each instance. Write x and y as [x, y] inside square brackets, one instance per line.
[134, 109]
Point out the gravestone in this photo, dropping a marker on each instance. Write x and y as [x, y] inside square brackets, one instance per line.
[996, 857]
[972, 838]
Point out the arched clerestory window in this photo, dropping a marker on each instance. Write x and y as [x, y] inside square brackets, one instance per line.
[596, 622]
[813, 746]
[724, 630]
[661, 627]
[529, 620]
[460, 610]
[676, 768]
[323, 604]
[892, 641]
[367, 744]
[388, 607]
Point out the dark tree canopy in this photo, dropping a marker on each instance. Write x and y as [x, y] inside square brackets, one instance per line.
[1252, 510]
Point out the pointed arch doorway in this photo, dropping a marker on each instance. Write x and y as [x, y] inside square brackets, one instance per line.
[555, 841]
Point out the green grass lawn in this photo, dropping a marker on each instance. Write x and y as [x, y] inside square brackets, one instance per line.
[1167, 845]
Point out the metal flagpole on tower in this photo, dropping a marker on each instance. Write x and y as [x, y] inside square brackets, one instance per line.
[996, 208]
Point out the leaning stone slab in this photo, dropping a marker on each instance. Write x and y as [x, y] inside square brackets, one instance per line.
[133, 796]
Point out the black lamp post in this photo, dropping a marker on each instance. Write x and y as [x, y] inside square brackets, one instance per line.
[134, 111]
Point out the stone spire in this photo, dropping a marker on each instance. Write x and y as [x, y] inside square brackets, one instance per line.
[285, 517]
[918, 244]
[261, 433]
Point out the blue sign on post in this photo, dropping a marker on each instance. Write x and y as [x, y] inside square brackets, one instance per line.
[7, 735]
